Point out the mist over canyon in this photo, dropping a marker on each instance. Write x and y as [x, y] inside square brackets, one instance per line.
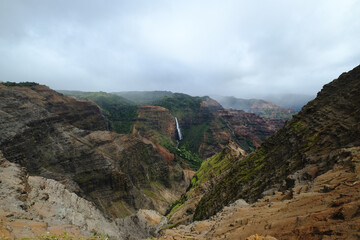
[131, 165]
[179, 120]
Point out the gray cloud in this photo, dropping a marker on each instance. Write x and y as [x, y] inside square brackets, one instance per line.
[240, 48]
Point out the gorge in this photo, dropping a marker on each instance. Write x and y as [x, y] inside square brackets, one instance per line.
[99, 164]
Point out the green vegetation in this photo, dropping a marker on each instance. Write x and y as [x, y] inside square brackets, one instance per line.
[194, 136]
[143, 97]
[211, 168]
[181, 105]
[242, 174]
[194, 120]
[182, 155]
[176, 205]
[20, 84]
[120, 112]
[297, 126]
[192, 160]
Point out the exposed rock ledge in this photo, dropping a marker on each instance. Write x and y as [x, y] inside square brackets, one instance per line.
[326, 208]
[32, 205]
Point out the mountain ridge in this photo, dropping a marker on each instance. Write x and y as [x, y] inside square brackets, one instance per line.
[322, 138]
[258, 106]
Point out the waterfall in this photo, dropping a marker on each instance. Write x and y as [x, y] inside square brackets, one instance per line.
[178, 129]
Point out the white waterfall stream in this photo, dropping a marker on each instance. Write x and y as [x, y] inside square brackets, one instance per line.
[178, 129]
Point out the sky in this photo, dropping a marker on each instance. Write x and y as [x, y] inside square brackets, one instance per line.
[199, 47]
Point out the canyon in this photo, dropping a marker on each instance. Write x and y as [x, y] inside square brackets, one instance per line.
[66, 166]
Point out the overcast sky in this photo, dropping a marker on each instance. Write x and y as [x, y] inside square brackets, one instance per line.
[199, 47]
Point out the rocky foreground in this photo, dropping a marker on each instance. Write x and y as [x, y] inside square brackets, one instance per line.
[306, 176]
[327, 208]
[36, 206]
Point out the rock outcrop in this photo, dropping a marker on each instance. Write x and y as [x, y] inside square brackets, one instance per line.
[31, 205]
[23, 107]
[211, 171]
[156, 118]
[326, 208]
[142, 225]
[207, 127]
[309, 145]
[62, 138]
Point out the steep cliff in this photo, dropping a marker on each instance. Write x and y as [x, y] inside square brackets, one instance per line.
[320, 136]
[31, 205]
[326, 208]
[302, 183]
[208, 128]
[34, 207]
[63, 138]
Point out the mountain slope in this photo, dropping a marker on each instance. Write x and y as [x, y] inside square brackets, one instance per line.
[143, 97]
[207, 127]
[312, 141]
[326, 208]
[324, 134]
[120, 112]
[64, 139]
[35, 205]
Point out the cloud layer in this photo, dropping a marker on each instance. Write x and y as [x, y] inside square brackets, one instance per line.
[232, 47]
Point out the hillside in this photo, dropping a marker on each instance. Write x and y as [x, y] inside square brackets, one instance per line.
[143, 97]
[206, 127]
[62, 170]
[260, 107]
[312, 162]
[120, 112]
[66, 139]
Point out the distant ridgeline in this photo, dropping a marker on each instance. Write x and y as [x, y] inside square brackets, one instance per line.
[20, 84]
[260, 107]
[205, 126]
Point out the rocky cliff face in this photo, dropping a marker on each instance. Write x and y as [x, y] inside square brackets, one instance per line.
[55, 137]
[302, 183]
[35, 205]
[325, 208]
[23, 107]
[210, 172]
[207, 127]
[322, 136]
[224, 125]
[246, 129]
[152, 120]
[31, 206]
